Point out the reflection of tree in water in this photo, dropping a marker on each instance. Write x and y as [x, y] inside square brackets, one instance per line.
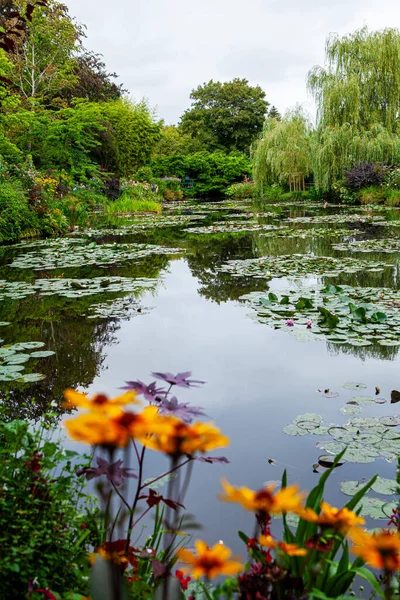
[78, 342]
[365, 352]
[210, 251]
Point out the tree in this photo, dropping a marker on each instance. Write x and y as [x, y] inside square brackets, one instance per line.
[44, 60]
[174, 142]
[226, 116]
[93, 81]
[283, 152]
[358, 101]
[274, 113]
[129, 137]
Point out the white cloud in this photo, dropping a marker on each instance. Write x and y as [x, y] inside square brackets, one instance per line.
[162, 50]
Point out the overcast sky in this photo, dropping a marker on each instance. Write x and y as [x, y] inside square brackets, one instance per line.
[162, 49]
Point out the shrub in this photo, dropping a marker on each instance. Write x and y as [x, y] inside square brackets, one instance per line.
[17, 219]
[393, 197]
[75, 210]
[272, 193]
[240, 191]
[203, 173]
[44, 537]
[392, 178]
[374, 194]
[364, 175]
[135, 203]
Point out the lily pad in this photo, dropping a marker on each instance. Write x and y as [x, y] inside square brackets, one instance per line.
[377, 508]
[353, 385]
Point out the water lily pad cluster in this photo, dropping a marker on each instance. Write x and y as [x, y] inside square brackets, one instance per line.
[13, 359]
[299, 264]
[73, 288]
[120, 308]
[307, 233]
[340, 314]
[338, 218]
[232, 227]
[143, 224]
[380, 245]
[64, 256]
[365, 439]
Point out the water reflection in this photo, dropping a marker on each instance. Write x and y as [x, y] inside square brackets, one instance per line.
[259, 379]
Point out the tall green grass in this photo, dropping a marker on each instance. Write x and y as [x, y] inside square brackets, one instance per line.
[126, 204]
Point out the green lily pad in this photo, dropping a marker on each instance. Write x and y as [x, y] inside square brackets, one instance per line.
[42, 353]
[385, 486]
[353, 385]
[377, 508]
[31, 378]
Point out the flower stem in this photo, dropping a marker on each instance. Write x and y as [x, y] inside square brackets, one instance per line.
[138, 490]
[150, 483]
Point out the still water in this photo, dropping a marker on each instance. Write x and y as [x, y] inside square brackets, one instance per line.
[259, 379]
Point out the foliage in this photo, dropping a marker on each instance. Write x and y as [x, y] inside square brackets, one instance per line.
[364, 175]
[129, 138]
[16, 218]
[226, 116]
[373, 194]
[204, 174]
[241, 191]
[358, 99]
[44, 537]
[282, 154]
[392, 179]
[94, 83]
[135, 199]
[173, 142]
[43, 62]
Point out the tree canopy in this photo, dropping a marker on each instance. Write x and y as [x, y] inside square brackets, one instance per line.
[226, 116]
[283, 152]
[358, 102]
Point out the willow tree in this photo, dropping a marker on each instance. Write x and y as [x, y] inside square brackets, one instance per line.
[282, 154]
[358, 103]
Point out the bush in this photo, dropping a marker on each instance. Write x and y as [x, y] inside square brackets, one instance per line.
[17, 219]
[393, 197]
[135, 200]
[364, 175]
[203, 173]
[392, 179]
[241, 191]
[272, 193]
[42, 532]
[374, 194]
[75, 210]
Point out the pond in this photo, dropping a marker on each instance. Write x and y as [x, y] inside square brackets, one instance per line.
[290, 311]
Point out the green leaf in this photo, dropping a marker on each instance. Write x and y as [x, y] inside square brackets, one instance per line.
[370, 577]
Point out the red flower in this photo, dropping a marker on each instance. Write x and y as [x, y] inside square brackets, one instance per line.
[184, 581]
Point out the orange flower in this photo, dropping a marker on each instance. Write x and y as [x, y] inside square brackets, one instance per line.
[177, 438]
[339, 519]
[380, 550]
[100, 402]
[285, 500]
[289, 549]
[209, 562]
[98, 428]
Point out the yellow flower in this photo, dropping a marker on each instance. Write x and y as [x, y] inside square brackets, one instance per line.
[380, 550]
[177, 438]
[98, 428]
[209, 562]
[265, 500]
[99, 402]
[339, 519]
[289, 549]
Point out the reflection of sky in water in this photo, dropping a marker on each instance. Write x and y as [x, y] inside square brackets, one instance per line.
[259, 380]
